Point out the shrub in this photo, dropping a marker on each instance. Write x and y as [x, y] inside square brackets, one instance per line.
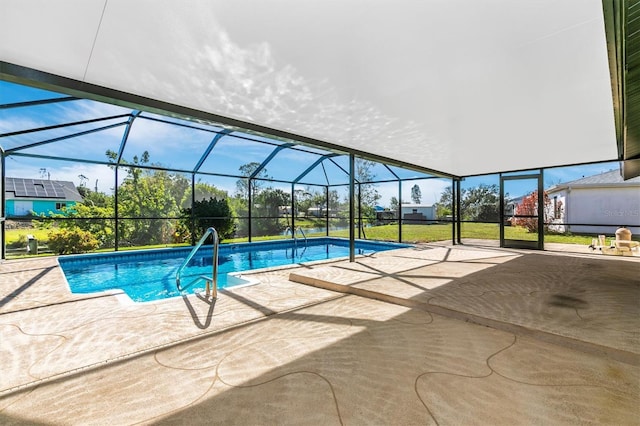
[74, 240]
[21, 241]
[209, 213]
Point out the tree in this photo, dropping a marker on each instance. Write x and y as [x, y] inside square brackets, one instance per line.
[266, 211]
[147, 199]
[242, 185]
[444, 207]
[366, 192]
[529, 207]
[214, 213]
[416, 194]
[334, 201]
[203, 191]
[87, 217]
[95, 198]
[481, 203]
[393, 204]
[304, 199]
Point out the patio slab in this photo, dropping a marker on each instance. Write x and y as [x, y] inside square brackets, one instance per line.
[285, 353]
[587, 301]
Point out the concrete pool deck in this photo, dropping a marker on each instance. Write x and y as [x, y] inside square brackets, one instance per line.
[473, 336]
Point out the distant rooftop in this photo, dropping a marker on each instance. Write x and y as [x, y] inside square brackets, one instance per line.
[29, 189]
[606, 178]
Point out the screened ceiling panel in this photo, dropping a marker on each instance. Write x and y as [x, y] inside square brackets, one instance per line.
[319, 175]
[288, 164]
[11, 93]
[462, 87]
[87, 141]
[89, 146]
[231, 153]
[409, 174]
[43, 120]
[180, 122]
[168, 145]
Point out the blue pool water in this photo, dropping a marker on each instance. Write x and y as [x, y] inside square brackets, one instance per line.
[151, 274]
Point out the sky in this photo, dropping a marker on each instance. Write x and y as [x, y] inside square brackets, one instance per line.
[181, 148]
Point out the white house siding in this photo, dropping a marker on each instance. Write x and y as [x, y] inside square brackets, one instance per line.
[615, 206]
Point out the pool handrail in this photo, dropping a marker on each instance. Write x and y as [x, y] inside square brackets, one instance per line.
[214, 275]
[293, 232]
[303, 235]
[288, 230]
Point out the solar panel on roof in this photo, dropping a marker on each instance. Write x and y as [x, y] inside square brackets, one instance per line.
[21, 190]
[34, 188]
[47, 189]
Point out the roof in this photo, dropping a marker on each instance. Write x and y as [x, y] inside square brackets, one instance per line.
[433, 84]
[40, 189]
[416, 206]
[610, 178]
[622, 26]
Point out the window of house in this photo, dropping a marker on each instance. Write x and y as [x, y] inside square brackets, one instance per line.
[556, 207]
[415, 210]
[60, 206]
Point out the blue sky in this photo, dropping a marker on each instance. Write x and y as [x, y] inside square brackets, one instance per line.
[181, 148]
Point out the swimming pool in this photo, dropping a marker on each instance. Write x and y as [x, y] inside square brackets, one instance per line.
[148, 275]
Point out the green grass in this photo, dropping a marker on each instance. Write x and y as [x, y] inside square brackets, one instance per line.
[12, 236]
[410, 234]
[482, 231]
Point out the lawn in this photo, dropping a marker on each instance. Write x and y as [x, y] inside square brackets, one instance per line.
[16, 238]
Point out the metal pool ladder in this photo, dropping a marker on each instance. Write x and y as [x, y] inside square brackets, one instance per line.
[212, 282]
[294, 232]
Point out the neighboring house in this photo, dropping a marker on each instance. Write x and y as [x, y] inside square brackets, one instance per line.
[511, 205]
[417, 213]
[384, 216]
[604, 199]
[38, 196]
[320, 212]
